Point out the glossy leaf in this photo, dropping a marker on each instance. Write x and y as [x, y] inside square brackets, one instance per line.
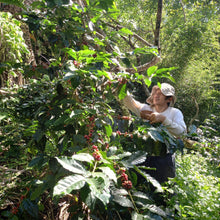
[150, 179]
[155, 209]
[31, 208]
[136, 158]
[123, 201]
[83, 157]
[109, 173]
[68, 184]
[99, 185]
[71, 165]
[155, 135]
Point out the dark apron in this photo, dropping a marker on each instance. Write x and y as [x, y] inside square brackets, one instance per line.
[160, 159]
[164, 167]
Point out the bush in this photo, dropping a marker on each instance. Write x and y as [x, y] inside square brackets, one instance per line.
[197, 188]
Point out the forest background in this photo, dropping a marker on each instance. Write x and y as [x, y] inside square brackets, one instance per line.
[69, 148]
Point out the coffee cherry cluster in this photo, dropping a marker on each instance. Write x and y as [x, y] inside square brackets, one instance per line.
[118, 132]
[76, 64]
[127, 184]
[96, 153]
[91, 126]
[126, 134]
[15, 209]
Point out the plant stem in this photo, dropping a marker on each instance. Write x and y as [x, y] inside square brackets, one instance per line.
[94, 167]
[133, 201]
[118, 215]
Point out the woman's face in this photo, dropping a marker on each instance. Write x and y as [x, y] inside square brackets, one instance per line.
[159, 98]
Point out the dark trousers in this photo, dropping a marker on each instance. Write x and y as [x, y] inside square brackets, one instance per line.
[165, 167]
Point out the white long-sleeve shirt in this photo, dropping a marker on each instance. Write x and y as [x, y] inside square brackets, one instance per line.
[174, 121]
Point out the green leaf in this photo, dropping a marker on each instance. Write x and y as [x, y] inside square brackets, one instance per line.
[86, 53]
[137, 216]
[136, 158]
[110, 173]
[140, 50]
[147, 82]
[123, 201]
[71, 52]
[146, 50]
[39, 189]
[69, 75]
[2, 116]
[104, 197]
[108, 130]
[79, 139]
[75, 113]
[38, 161]
[125, 31]
[102, 178]
[142, 198]
[71, 165]
[169, 77]
[165, 70]
[139, 76]
[68, 184]
[38, 135]
[150, 179]
[126, 61]
[141, 195]
[89, 198]
[60, 120]
[83, 157]
[31, 208]
[104, 73]
[155, 135]
[122, 92]
[151, 70]
[99, 185]
[118, 192]
[124, 154]
[155, 209]
[13, 73]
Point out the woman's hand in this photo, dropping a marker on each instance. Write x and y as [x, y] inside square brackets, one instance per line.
[145, 114]
[153, 117]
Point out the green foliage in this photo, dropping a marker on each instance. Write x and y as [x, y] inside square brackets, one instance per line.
[58, 133]
[13, 48]
[199, 198]
[65, 124]
[18, 3]
[191, 39]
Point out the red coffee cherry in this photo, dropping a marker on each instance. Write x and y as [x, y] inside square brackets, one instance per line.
[118, 132]
[124, 177]
[94, 147]
[96, 156]
[127, 184]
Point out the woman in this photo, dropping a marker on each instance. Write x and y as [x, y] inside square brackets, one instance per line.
[159, 110]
